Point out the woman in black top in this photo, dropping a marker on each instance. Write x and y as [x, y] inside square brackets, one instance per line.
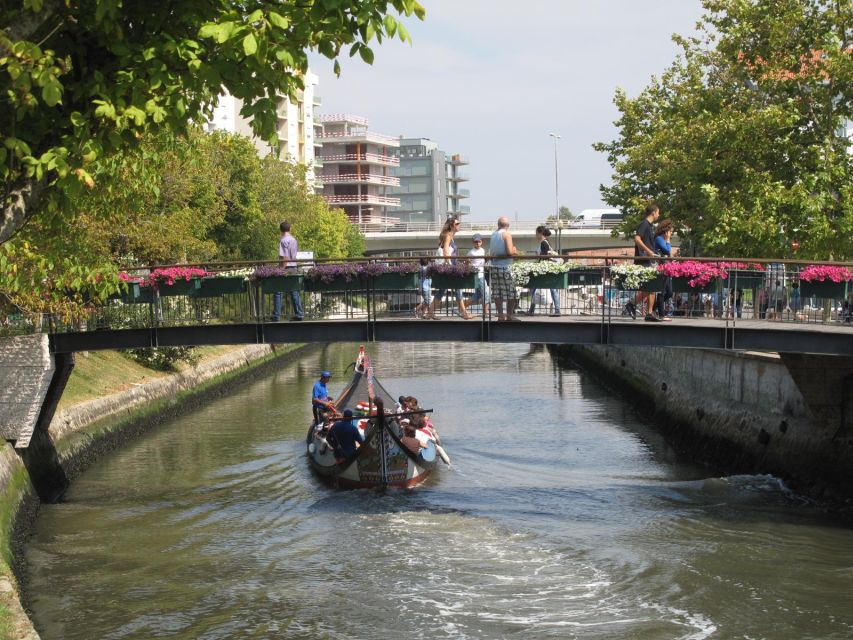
[542, 234]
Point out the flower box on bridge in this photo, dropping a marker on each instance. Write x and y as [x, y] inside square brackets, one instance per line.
[179, 287]
[278, 284]
[449, 281]
[336, 284]
[214, 287]
[584, 277]
[826, 289]
[549, 281]
[745, 279]
[682, 285]
[396, 282]
[654, 285]
[134, 294]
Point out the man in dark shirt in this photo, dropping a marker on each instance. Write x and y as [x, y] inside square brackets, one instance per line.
[644, 246]
[344, 435]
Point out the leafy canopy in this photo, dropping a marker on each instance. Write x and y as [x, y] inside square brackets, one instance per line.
[83, 79]
[741, 138]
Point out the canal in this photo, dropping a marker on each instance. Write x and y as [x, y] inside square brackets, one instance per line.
[564, 515]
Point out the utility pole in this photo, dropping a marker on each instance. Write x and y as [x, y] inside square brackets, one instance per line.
[557, 191]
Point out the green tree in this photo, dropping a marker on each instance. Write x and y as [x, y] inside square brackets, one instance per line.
[84, 79]
[565, 215]
[285, 195]
[739, 139]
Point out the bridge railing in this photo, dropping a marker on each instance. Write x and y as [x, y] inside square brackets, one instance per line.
[596, 288]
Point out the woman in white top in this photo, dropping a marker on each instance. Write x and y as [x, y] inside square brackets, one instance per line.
[447, 250]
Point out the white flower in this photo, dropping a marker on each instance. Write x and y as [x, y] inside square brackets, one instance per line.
[631, 276]
[522, 270]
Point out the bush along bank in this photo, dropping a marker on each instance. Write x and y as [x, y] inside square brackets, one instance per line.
[84, 432]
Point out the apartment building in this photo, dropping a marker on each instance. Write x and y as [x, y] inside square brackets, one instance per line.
[356, 169]
[296, 126]
[429, 182]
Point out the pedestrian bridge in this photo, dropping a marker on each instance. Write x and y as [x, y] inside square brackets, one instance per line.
[697, 333]
[738, 306]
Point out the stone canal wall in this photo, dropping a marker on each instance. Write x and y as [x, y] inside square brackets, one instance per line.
[83, 432]
[742, 413]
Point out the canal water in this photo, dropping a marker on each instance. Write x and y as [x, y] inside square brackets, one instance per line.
[564, 515]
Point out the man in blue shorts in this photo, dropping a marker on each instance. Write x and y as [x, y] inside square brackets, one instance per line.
[320, 400]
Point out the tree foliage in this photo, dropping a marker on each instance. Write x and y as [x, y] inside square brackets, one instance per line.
[84, 79]
[204, 197]
[740, 140]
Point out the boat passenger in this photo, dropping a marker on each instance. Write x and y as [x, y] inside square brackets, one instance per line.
[320, 400]
[345, 437]
[409, 439]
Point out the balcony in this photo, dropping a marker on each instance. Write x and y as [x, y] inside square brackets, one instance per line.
[460, 193]
[459, 159]
[344, 117]
[458, 177]
[360, 136]
[384, 201]
[364, 178]
[368, 158]
[317, 101]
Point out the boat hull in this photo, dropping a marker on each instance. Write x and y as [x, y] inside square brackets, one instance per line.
[380, 462]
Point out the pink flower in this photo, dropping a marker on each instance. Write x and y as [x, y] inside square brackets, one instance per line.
[822, 272]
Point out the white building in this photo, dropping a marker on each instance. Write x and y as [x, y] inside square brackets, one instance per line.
[297, 126]
[356, 164]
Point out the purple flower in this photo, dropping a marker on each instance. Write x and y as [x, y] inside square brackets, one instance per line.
[460, 269]
[272, 271]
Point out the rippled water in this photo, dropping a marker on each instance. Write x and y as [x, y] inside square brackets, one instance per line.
[564, 516]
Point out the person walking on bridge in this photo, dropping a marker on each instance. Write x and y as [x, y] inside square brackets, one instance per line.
[644, 247]
[287, 249]
[502, 250]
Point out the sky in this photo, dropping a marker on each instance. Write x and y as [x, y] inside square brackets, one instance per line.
[490, 79]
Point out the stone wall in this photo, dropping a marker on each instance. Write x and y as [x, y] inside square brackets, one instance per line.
[742, 413]
[26, 370]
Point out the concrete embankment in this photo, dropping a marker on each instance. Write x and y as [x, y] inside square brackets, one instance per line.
[83, 432]
[741, 413]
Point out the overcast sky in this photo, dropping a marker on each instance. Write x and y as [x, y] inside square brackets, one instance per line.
[491, 78]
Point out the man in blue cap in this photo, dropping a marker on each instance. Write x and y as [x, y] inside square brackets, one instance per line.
[320, 400]
[344, 435]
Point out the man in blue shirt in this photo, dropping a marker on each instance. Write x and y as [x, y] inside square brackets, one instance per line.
[320, 400]
[344, 435]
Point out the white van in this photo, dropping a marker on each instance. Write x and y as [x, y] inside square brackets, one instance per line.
[596, 219]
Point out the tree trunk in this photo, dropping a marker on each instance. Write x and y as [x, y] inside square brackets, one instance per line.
[20, 204]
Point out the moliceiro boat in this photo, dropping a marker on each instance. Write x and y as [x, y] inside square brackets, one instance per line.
[387, 457]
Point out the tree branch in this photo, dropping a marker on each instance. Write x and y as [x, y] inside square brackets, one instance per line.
[29, 23]
[19, 205]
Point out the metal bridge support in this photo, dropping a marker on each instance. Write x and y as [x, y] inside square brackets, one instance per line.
[31, 383]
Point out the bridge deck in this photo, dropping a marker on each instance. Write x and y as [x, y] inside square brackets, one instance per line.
[741, 335]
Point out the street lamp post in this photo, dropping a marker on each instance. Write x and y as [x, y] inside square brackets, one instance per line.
[557, 189]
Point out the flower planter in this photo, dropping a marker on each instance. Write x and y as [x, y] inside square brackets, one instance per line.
[584, 277]
[681, 285]
[654, 285]
[337, 284]
[549, 281]
[444, 281]
[179, 288]
[396, 282]
[135, 294]
[282, 283]
[823, 289]
[744, 279]
[214, 287]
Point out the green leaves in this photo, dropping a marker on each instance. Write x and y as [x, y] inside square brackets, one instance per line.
[250, 45]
